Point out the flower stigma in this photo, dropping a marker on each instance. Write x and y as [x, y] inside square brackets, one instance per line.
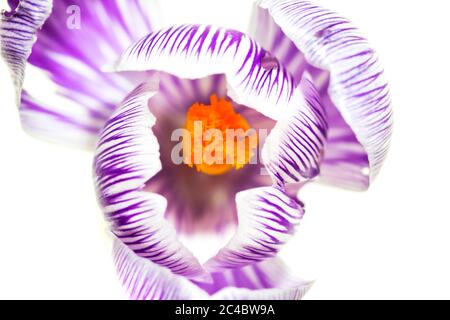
[220, 139]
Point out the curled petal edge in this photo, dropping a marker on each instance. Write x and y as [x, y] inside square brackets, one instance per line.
[18, 34]
[267, 220]
[357, 85]
[144, 280]
[127, 156]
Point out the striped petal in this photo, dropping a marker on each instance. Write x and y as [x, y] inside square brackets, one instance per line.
[18, 34]
[293, 150]
[349, 76]
[193, 51]
[75, 98]
[144, 280]
[267, 219]
[127, 157]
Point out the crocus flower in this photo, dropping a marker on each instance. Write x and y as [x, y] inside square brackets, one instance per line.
[302, 72]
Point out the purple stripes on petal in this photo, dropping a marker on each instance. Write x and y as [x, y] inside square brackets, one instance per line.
[127, 157]
[18, 34]
[266, 280]
[272, 38]
[267, 219]
[194, 51]
[345, 162]
[77, 40]
[293, 150]
[144, 280]
[357, 87]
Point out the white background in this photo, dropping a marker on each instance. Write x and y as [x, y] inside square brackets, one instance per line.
[391, 242]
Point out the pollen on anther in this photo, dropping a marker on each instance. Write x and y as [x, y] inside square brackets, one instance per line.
[220, 138]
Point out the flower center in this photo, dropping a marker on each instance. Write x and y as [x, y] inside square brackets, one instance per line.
[220, 138]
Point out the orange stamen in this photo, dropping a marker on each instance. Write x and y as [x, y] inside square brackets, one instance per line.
[220, 138]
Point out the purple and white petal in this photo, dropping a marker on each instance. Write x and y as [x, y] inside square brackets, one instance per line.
[127, 156]
[266, 280]
[194, 51]
[293, 150]
[267, 220]
[145, 280]
[78, 39]
[18, 34]
[347, 72]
